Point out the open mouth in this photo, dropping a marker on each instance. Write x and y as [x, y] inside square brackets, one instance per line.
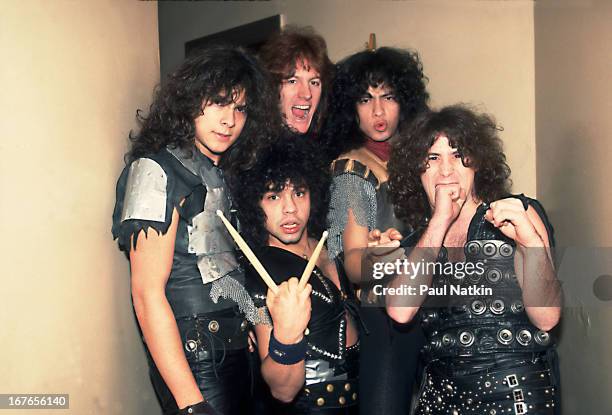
[290, 227]
[446, 184]
[380, 126]
[300, 112]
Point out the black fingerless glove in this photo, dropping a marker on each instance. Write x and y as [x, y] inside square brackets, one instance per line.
[201, 408]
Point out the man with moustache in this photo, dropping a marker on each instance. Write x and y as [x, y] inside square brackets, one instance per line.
[374, 93]
[309, 347]
[297, 60]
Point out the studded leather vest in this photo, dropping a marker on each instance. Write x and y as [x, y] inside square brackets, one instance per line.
[326, 357]
[486, 313]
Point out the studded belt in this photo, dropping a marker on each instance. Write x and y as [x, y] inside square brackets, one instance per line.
[332, 394]
[525, 389]
[205, 335]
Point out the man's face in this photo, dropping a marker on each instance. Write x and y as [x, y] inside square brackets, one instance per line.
[378, 111]
[299, 97]
[219, 126]
[445, 168]
[287, 213]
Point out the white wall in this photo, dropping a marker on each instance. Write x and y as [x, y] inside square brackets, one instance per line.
[473, 51]
[574, 153]
[72, 76]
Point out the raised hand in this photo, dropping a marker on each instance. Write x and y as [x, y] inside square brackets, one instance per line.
[290, 310]
[510, 217]
[449, 200]
[390, 237]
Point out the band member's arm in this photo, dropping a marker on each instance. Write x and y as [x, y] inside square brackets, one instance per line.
[449, 202]
[533, 261]
[354, 241]
[151, 263]
[290, 312]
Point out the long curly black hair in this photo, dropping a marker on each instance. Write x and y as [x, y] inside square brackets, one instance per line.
[400, 70]
[473, 135]
[292, 159]
[294, 45]
[213, 74]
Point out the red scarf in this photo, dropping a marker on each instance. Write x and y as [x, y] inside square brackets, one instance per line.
[382, 149]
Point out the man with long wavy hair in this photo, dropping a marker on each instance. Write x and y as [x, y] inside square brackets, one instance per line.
[374, 94]
[488, 348]
[214, 112]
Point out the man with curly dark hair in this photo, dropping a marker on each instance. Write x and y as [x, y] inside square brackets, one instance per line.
[487, 351]
[374, 94]
[309, 359]
[302, 73]
[214, 111]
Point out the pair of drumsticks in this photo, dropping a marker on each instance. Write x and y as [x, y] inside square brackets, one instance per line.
[260, 268]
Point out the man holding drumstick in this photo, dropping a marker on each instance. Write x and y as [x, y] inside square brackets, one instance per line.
[309, 347]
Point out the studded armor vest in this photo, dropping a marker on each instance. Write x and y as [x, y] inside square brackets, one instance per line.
[478, 323]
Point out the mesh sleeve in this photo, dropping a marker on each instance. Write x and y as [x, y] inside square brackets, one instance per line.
[349, 191]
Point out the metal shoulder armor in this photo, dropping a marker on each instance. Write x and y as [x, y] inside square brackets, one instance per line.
[145, 192]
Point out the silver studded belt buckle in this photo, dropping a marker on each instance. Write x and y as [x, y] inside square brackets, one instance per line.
[520, 408]
[518, 396]
[512, 381]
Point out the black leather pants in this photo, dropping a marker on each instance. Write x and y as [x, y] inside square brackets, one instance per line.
[497, 384]
[388, 364]
[221, 368]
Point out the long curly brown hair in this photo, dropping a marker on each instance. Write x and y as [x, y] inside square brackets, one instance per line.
[474, 135]
[208, 76]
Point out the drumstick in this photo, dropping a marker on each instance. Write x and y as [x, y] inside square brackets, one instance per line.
[312, 261]
[249, 254]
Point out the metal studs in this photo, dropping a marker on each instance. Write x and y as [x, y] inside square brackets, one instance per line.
[347, 387]
[478, 307]
[466, 338]
[244, 325]
[354, 396]
[329, 388]
[320, 401]
[504, 336]
[213, 326]
[497, 307]
[494, 275]
[342, 400]
[307, 331]
[524, 337]
[506, 250]
[447, 340]
[542, 338]
[489, 249]
[472, 248]
[191, 345]
[517, 306]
